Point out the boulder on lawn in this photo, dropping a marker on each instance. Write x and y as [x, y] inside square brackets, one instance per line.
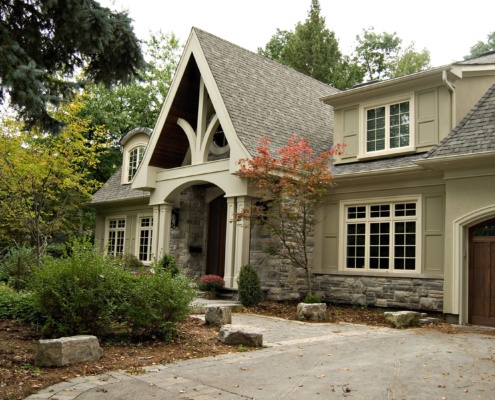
[402, 319]
[312, 311]
[67, 350]
[241, 334]
[218, 316]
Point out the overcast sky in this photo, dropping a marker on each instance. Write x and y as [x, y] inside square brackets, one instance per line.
[447, 28]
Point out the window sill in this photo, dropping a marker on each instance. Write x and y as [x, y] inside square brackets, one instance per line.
[384, 154]
[378, 274]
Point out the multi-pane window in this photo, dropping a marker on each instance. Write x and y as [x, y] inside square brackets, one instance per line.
[145, 236]
[381, 237]
[388, 127]
[135, 158]
[116, 236]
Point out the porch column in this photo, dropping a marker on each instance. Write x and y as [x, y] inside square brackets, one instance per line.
[164, 222]
[230, 243]
[242, 238]
[156, 232]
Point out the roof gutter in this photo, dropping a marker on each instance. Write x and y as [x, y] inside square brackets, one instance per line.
[453, 103]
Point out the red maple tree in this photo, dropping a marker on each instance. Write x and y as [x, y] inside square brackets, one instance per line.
[291, 185]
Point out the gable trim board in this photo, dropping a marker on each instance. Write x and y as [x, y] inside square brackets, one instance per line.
[220, 84]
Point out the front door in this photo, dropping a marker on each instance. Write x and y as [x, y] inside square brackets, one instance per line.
[217, 229]
[481, 306]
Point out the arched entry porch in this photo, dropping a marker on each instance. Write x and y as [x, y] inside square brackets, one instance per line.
[206, 238]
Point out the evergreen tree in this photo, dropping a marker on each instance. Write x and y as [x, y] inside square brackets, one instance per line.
[313, 50]
[44, 43]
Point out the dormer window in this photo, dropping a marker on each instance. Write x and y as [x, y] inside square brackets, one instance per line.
[135, 158]
[387, 128]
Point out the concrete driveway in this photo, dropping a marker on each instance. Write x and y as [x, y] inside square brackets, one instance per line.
[313, 361]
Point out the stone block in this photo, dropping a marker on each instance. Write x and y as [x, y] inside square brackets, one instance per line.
[358, 300]
[218, 316]
[240, 334]
[67, 350]
[402, 319]
[312, 311]
[381, 303]
[427, 303]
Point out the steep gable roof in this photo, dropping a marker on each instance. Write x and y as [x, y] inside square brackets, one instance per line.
[265, 98]
[474, 134]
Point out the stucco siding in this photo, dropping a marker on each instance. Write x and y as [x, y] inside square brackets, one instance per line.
[465, 196]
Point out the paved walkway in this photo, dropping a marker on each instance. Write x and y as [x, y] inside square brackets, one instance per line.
[312, 361]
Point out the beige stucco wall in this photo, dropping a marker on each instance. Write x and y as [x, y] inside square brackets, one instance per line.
[429, 186]
[466, 196]
[468, 92]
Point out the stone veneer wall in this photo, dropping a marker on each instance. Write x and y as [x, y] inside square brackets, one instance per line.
[282, 281]
[279, 278]
[192, 231]
[396, 292]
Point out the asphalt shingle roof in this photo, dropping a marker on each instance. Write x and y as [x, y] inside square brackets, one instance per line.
[376, 165]
[113, 190]
[474, 134]
[485, 58]
[265, 98]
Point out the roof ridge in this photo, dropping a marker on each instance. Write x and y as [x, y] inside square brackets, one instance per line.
[463, 122]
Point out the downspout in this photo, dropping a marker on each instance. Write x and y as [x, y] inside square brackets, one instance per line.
[453, 103]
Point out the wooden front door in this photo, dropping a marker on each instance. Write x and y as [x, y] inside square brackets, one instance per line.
[481, 302]
[217, 229]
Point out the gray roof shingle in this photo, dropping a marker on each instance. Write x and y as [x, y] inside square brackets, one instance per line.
[485, 58]
[474, 134]
[265, 98]
[113, 190]
[376, 165]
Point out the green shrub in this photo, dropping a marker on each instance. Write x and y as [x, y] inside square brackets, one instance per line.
[156, 302]
[130, 262]
[167, 263]
[14, 305]
[80, 294]
[249, 286]
[56, 250]
[312, 298]
[90, 293]
[9, 266]
[211, 283]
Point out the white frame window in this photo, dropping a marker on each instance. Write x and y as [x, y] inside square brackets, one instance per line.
[383, 235]
[115, 237]
[387, 127]
[135, 156]
[144, 238]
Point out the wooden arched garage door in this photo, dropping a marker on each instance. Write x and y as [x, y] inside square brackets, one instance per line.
[481, 306]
